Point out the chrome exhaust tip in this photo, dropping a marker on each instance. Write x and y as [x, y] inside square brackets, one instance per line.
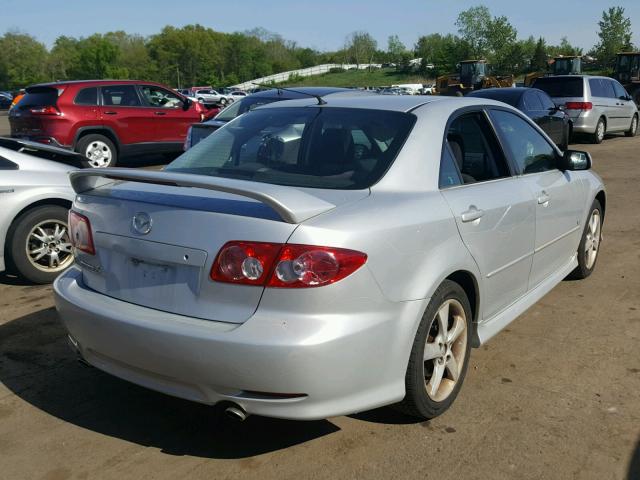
[236, 412]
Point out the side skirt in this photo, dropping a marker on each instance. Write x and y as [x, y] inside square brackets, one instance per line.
[492, 326]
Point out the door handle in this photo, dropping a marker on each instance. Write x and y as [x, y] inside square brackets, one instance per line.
[472, 214]
[159, 113]
[543, 198]
[110, 113]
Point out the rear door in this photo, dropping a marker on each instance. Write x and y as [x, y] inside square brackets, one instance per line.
[122, 111]
[167, 115]
[604, 101]
[494, 210]
[559, 196]
[555, 116]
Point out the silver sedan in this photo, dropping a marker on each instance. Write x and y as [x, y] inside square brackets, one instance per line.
[319, 257]
[36, 196]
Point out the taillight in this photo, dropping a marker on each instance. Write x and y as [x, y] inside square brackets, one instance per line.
[301, 266]
[578, 105]
[284, 266]
[249, 263]
[45, 110]
[80, 233]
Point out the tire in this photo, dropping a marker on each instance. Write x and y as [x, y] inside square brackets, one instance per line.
[99, 151]
[24, 237]
[633, 129]
[564, 145]
[425, 399]
[601, 129]
[587, 262]
[223, 101]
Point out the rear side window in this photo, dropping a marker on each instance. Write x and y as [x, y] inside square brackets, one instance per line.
[530, 151]
[39, 97]
[87, 96]
[120, 96]
[475, 149]
[545, 101]
[561, 86]
[336, 148]
[7, 164]
[532, 102]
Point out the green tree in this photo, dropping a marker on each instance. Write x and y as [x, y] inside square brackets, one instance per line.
[504, 52]
[443, 51]
[361, 47]
[63, 58]
[540, 57]
[22, 61]
[473, 25]
[615, 35]
[395, 49]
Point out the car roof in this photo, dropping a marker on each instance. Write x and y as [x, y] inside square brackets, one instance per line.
[398, 103]
[299, 92]
[510, 95]
[92, 82]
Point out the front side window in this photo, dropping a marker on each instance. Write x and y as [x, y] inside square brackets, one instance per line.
[475, 149]
[338, 148]
[619, 90]
[87, 96]
[120, 96]
[159, 97]
[528, 148]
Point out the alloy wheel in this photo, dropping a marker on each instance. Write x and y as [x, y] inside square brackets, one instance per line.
[48, 246]
[445, 350]
[592, 242]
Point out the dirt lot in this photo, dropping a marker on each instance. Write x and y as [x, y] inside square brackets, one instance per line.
[555, 396]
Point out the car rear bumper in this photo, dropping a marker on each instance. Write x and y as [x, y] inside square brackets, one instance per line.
[338, 364]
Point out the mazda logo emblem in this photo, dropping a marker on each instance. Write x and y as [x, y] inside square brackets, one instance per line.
[142, 223]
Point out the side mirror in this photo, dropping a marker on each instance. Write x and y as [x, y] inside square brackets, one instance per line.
[574, 160]
[186, 103]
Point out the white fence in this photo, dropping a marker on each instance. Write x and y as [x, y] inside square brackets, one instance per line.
[303, 72]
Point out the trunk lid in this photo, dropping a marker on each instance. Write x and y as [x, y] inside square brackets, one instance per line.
[167, 268]
[24, 123]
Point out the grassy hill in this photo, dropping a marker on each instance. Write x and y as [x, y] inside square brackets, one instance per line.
[358, 78]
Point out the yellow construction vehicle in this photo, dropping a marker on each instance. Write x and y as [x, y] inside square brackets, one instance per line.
[561, 65]
[627, 72]
[472, 75]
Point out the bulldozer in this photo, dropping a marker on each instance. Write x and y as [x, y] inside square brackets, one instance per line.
[472, 75]
[562, 65]
[627, 72]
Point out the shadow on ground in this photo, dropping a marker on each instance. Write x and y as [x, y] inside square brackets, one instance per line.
[37, 365]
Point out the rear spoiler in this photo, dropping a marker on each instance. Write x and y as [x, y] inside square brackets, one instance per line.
[293, 205]
[41, 150]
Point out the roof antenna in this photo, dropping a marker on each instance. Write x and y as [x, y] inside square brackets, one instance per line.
[317, 97]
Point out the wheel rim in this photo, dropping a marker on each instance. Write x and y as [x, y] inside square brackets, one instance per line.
[48, 246]
[99, 154]
[592, 242]
[445, 350]
[600, 131]
[634, 125]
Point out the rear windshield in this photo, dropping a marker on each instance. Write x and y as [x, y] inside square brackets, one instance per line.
[561, 86]
[336, 148]
[39, 97]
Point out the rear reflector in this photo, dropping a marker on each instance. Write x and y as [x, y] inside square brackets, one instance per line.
[80, 233]
[578, 105]
[284, 266]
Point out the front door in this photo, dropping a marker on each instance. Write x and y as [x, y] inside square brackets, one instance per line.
[170, 120]
[559, 196]
[494, 211]
[122, 111]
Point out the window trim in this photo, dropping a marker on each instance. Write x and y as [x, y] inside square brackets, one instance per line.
[512, 161]
[135, 88]
[484, 110]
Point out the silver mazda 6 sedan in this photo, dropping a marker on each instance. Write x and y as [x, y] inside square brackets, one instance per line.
[314, 258]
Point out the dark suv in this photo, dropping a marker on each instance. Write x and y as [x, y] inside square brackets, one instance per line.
[105, 119]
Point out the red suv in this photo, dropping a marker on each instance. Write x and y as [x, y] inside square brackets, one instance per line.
[105, 119]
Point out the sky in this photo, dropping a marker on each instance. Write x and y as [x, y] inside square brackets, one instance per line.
[320, 24]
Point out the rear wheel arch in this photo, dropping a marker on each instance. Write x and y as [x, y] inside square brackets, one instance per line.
[602, 198]
[469, 284]
[98, 130]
